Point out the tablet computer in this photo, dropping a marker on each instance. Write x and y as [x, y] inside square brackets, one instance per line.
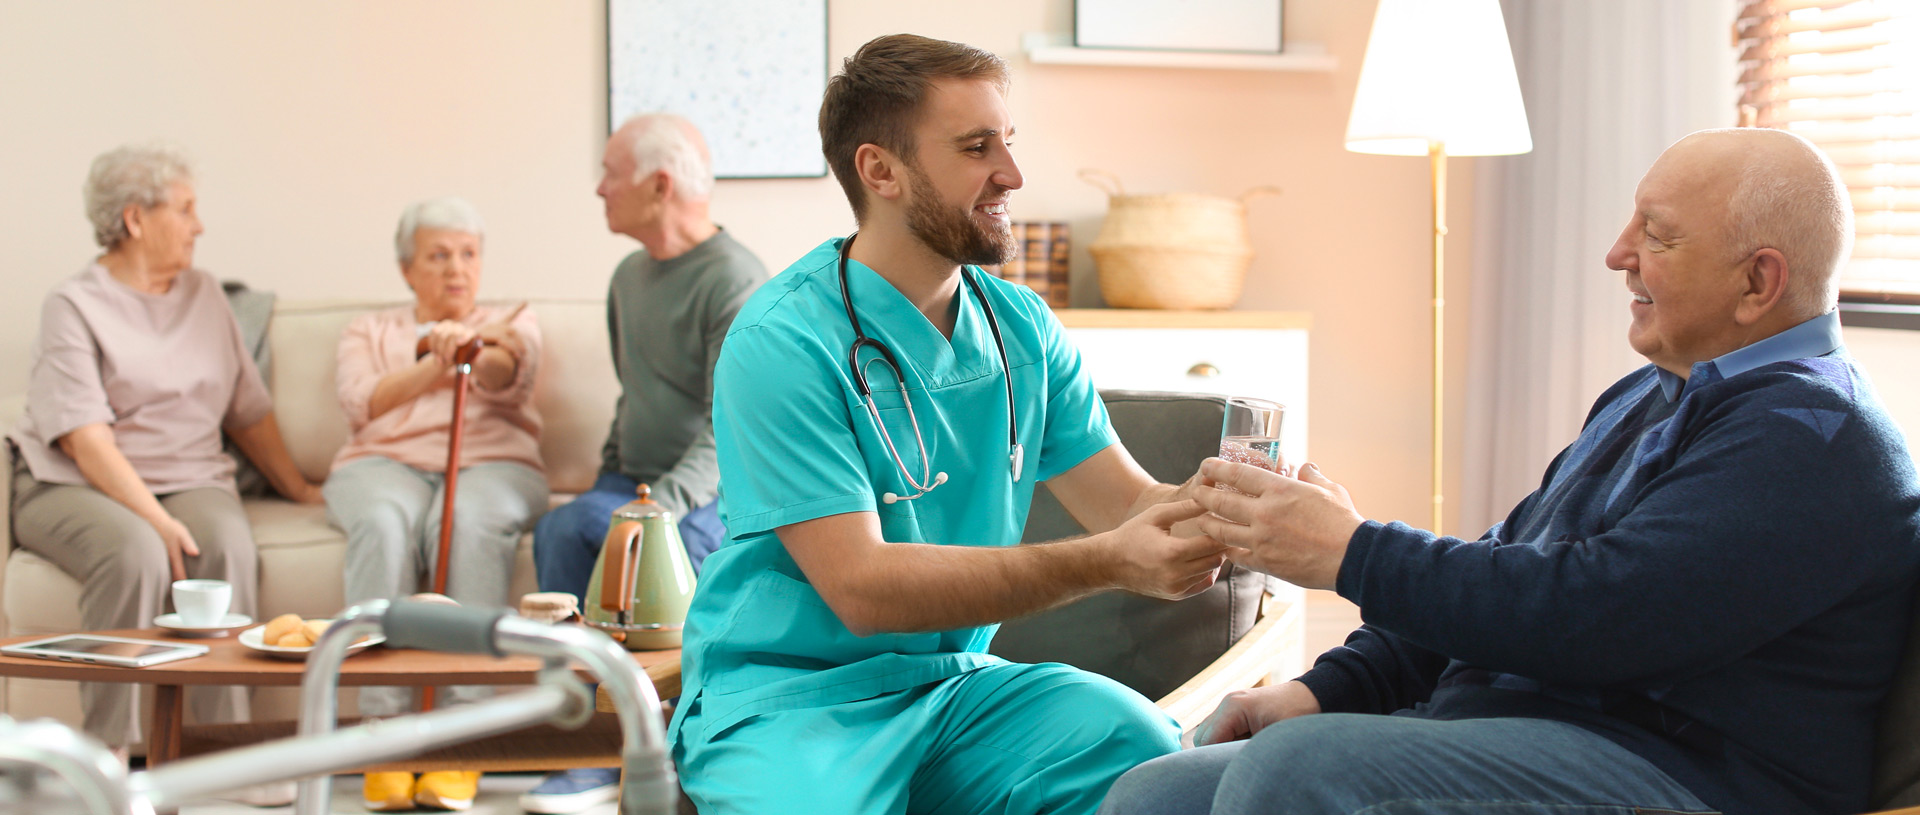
[125, 652]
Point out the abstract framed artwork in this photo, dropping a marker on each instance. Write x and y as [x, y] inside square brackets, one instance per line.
[748, 73]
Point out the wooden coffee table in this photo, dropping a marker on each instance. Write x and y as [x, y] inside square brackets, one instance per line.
[230, 663]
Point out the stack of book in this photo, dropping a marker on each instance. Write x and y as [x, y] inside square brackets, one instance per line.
[1042, 262]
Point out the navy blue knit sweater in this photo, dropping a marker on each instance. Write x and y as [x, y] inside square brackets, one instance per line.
[1719, 582]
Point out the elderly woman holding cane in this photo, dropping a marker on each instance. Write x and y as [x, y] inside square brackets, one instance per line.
[118, 475]
[388, 484]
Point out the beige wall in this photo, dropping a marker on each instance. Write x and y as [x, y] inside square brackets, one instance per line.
[1889, 357]
[314, 123]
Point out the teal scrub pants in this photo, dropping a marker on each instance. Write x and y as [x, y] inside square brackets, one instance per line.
[1002, 739]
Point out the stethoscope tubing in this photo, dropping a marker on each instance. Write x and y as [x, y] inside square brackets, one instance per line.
[927, 480]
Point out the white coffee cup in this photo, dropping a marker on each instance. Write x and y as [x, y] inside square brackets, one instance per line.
[202, 602]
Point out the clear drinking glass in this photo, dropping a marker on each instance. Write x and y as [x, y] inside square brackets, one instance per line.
[1250, 433]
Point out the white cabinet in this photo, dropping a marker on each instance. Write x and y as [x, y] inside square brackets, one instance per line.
[1237, 353]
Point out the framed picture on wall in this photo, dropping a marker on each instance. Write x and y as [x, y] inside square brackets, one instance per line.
[1247, 26]
[748, 73]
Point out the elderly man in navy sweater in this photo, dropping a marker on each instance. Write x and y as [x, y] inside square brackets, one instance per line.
[1699, 609]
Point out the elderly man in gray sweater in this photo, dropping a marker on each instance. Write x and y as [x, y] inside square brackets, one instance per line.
[668, 308]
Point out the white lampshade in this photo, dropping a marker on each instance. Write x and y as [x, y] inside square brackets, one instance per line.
[1438, 71]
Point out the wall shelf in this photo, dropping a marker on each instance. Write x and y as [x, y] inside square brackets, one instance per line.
[1058, 49]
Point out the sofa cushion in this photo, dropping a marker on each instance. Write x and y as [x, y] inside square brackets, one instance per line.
[39, 598]
[1152, 646]
[278, 522]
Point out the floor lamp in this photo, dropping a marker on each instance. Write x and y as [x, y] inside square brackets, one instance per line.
[1438, 79]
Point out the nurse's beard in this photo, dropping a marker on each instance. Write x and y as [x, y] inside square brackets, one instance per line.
[954, 235]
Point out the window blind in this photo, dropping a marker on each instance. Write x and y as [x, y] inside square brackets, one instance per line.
[1846, 75]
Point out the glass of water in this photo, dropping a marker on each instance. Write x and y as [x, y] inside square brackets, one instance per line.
[1250, 433]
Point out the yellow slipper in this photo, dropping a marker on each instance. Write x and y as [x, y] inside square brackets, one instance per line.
[447, 789]
[387, 792]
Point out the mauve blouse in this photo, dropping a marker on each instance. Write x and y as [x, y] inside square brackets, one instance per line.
[164, 371]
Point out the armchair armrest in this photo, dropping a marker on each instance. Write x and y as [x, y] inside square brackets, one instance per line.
[1247, 664]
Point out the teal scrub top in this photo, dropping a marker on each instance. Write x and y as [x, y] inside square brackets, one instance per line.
[796, 442]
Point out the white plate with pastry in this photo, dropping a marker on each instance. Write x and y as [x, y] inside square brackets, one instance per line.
[289, 637]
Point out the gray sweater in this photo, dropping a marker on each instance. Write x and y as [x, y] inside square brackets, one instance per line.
[666, 320]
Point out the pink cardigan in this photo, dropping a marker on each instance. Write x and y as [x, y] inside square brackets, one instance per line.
[500, 425]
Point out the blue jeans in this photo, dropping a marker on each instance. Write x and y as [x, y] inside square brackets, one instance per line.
[1346, 763]
[567, 541]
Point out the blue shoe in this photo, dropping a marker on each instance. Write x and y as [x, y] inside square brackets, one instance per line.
[571, 791]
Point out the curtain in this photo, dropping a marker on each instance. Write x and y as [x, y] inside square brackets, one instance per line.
[1608, 86]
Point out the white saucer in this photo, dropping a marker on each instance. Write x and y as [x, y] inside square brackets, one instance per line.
[172, 622]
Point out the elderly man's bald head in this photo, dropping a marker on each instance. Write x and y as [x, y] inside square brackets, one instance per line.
[1780, 192]
[656, 142]
[1735, 236]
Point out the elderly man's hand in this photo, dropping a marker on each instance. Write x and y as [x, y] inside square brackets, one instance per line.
[1295, 529]
[1243, 714]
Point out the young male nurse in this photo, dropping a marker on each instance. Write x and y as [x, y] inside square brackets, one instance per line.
[835, 654]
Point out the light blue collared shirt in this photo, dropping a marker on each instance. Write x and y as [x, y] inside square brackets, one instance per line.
[1816, 337]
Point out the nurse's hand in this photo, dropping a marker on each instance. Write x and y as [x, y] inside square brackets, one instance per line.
[1244, 713]
[1151, 560]
[1188, 491]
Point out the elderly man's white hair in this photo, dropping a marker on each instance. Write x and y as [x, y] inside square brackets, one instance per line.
[664, 141]
[1790, 197]
[138, 176]
[448, 212]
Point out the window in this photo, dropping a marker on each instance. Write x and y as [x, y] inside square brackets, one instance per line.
[1846, 75]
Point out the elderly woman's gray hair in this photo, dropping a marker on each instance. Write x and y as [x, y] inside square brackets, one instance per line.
[664, 141]
[449, 212]
[130, 176]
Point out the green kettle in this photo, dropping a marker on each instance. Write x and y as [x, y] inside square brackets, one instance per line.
[643, 580]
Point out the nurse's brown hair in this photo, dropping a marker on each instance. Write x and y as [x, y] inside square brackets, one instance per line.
[875, 99]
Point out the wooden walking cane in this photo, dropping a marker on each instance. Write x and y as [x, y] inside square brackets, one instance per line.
[463, 360]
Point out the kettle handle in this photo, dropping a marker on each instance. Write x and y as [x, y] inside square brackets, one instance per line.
[616, 583]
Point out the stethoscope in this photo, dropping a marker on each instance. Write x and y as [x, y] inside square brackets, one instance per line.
[1016, 455]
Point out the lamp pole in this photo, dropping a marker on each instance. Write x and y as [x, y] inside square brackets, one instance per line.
[1438, 78]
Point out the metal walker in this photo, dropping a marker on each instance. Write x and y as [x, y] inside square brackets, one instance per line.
[100, 784]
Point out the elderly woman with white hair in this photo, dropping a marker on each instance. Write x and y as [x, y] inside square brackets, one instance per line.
[119, 477]
[388, 483]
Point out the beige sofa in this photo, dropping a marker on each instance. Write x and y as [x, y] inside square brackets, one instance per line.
[300, 554]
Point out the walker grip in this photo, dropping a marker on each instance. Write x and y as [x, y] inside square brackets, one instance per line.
[441, 627]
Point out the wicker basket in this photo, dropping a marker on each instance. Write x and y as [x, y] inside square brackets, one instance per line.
[1173, 251]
